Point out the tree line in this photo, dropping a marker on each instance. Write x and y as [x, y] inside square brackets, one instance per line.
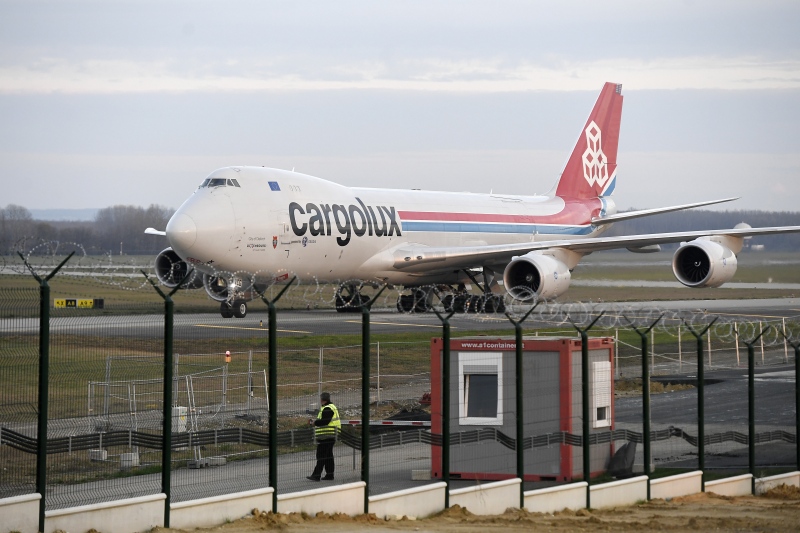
[120, 229]
[117, 230]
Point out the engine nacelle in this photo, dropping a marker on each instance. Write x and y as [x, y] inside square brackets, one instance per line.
[171, 269]
[216, 287]
[703, 263]
[535, 273]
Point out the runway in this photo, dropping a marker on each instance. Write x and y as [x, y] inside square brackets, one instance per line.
[388, 321]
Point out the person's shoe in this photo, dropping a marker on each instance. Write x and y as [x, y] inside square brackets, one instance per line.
[329, 477]
[313, 478]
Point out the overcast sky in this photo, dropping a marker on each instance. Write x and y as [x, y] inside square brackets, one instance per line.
[110, 102]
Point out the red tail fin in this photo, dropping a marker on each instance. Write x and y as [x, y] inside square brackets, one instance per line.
[591, 170]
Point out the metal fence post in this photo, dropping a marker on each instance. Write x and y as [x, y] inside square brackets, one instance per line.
[701, 416]
[365, 309]
[445, 403]
[520, 389]
[645, 397]
[272, 393]
[751, 408]
[44, 382]
[166, 433]
[587, 457]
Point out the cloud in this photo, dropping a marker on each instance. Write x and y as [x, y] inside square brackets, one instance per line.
[480, 75]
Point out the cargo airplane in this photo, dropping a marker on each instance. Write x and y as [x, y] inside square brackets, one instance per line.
[246, 227]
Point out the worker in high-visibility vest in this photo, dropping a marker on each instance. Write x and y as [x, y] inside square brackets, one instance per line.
[326, 427]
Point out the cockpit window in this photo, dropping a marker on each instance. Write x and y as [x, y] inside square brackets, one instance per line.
[219, 182]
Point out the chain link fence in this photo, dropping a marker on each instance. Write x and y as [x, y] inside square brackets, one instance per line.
[105, 409]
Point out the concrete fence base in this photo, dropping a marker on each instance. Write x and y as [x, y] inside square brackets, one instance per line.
[732, 486]
[765, 484]
[127, 516]
[552, 499]
[20, 513]
[676, 486]
[417, 502]
[347, 499]
[619, 493]
[208, 512]
[490, 498]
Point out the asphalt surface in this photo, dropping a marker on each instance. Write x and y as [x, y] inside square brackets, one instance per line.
[316, 322]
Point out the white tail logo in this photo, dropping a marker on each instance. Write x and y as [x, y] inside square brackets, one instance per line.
[595, 163]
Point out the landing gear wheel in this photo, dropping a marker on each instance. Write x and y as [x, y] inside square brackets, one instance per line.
[225, 310]
[348, 299]
[240, 309]
[405, 303]
[494, 303]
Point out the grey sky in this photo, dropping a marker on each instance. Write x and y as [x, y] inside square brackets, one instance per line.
[110, 102]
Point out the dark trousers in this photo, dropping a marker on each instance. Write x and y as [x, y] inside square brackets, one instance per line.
[324, 457]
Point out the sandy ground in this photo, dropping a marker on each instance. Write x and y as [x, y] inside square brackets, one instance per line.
[778, 510]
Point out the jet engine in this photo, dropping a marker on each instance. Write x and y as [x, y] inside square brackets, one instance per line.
[703, 263]
[171, 269]
[216, 287]
[535, 273]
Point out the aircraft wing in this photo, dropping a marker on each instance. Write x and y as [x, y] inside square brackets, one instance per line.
[419, 258]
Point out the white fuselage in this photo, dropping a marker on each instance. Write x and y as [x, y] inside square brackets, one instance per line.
[269, 223]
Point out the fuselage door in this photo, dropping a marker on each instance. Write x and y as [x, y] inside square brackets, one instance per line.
[284, 228]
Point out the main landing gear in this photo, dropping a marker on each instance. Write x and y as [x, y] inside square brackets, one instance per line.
[420, 301]
[458, 300]
[348, 298]
[238, 309]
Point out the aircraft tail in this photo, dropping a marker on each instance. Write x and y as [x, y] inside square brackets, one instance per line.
[591, 170]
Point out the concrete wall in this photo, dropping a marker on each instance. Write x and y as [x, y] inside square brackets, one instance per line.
[675, 486]
[552, 499]
[208, 512]
[489, 498]
[417, 502]
[127, 516]
[619, 493]
[20, 513]
[766, 483]
[349, 499]
[732, 486]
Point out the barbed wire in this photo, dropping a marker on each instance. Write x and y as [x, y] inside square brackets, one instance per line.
[124, 272]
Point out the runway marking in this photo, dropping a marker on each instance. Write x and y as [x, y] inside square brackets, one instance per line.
[251, 329]
[400, 324]
[751, 315]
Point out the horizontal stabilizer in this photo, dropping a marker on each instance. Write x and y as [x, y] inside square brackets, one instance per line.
[598, 221]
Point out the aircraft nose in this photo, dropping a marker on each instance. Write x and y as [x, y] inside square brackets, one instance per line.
[181, 231]
[202, 227]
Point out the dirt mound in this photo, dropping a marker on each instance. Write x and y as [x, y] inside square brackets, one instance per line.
[455, 512]
[701, 497]
[783, 492]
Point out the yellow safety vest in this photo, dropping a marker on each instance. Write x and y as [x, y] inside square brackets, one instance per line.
[333, 426]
